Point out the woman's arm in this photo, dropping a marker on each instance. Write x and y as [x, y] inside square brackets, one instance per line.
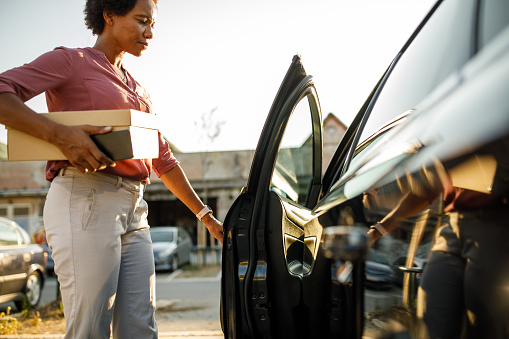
[176, 181]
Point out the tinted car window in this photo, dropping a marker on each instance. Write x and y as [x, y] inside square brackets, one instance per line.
[293, 172]
[432, 56]
[493, 18]
[162, 236]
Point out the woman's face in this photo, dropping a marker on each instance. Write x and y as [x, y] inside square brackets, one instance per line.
[132, 32]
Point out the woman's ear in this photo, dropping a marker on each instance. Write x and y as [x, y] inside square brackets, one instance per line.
[108, 17]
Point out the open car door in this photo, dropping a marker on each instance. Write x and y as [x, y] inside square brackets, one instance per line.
[276, 282]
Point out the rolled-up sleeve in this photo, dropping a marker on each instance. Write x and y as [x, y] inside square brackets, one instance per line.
[166, 160]
[48, 71]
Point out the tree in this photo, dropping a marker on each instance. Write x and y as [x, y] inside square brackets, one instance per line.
[209, 129]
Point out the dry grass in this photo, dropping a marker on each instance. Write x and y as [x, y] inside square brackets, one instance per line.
[45, 320]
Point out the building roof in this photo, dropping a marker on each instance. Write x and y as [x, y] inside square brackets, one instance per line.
[331, 116]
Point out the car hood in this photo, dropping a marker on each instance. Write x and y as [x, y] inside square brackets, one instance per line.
[159, 247]
[377, 268]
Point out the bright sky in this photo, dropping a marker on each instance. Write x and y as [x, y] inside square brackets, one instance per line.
[231, 55]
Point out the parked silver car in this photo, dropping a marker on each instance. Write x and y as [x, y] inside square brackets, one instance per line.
[22, 266]
[378, 276]
[172, 247]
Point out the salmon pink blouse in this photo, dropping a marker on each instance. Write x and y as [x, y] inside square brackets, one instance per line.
[82, 79]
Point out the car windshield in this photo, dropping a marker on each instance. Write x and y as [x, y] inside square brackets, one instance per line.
[7, 236]
[159, 236]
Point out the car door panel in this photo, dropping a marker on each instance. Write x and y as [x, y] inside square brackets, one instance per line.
[305, 294]
[15, 278]
[285, 251]
[234, 321]
[15, 257]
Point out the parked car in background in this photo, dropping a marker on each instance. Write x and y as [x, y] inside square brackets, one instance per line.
[378, 276]
[21, 266]
[442, 103]
[172, 247]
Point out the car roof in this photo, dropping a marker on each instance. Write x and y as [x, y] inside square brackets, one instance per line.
[164, 228]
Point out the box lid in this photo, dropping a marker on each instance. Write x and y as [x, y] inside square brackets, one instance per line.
[117, 117]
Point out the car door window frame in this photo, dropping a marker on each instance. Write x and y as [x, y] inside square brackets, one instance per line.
[248, 241]
[313, 187]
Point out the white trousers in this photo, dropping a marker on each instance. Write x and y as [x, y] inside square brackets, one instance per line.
[96, 226]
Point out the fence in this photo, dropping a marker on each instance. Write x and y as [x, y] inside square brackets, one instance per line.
[206, 255]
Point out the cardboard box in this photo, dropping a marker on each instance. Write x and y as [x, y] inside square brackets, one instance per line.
[134, 135]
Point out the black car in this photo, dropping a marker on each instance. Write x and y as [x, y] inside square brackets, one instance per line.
[21, 266]
[295, 248]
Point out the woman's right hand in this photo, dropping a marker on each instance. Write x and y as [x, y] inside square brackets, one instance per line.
[77, 146]
[73, 141]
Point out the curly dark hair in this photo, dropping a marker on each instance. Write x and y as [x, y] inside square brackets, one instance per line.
[94, 11]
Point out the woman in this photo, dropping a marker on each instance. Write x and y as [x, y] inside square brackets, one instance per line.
[95, 216]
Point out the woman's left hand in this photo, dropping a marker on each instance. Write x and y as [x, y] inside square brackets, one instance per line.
[214, 226]
[372, 236]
